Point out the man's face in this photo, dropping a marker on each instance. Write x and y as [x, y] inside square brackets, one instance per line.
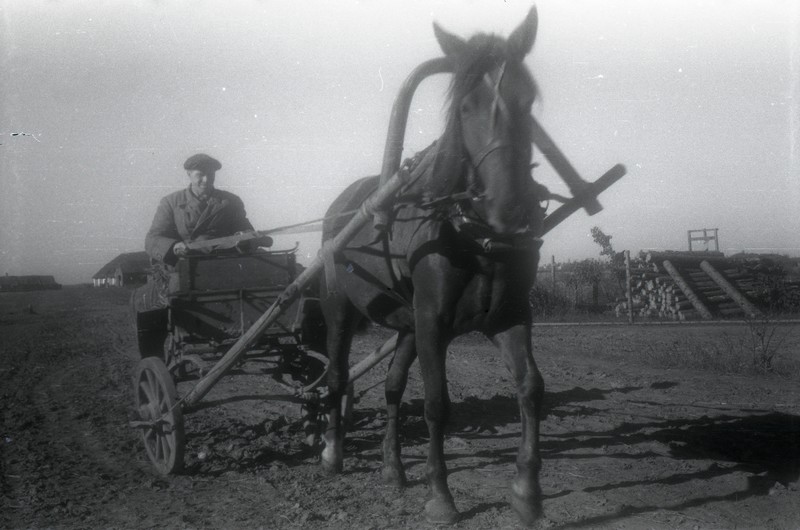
[202, 181]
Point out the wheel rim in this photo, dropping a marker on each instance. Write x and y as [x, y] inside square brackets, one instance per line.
[155, 401]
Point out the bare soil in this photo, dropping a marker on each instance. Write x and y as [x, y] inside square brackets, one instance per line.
[636, 435]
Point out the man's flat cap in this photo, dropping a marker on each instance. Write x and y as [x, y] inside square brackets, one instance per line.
[202, 162]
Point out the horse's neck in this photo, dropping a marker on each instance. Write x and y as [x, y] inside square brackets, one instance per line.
[434, 172]
[447, 173]
[423, 171]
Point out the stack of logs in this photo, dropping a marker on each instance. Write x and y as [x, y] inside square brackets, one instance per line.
[681, 286]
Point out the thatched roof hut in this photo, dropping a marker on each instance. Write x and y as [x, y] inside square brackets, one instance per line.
[129, 268]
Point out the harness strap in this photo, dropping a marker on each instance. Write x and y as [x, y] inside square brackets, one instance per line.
[521, 243]
[493, 146]
[451, 198]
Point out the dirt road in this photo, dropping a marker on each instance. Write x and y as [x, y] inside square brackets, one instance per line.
[626, 443]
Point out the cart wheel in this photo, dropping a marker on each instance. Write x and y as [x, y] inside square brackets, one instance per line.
[161, 421]
[175, 368]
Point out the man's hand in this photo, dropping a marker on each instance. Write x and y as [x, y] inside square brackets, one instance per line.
[179, 248]
[243, 247]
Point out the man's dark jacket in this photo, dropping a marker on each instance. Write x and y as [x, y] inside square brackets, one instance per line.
[182, 217]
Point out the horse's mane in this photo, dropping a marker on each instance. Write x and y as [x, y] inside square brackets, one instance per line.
[482, 53]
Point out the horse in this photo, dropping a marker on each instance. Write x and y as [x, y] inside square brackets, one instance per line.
[467, 263]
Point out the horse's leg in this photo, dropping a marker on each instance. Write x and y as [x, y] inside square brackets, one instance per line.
[396, 381]
[526, 493]
[432, 349]
[340, 319]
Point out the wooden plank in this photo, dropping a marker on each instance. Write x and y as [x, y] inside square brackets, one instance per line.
[730, 290]
[696, 303]
[564, 168]
[576, 203]
[684, 260]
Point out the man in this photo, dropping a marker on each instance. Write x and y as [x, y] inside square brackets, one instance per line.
[196, 213]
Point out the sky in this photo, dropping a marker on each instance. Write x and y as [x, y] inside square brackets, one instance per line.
[101, 101]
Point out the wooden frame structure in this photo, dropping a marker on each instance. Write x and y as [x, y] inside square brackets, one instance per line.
[709, 234]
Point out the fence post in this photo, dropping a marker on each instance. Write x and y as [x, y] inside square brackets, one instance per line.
[553, 272]
[628, 287]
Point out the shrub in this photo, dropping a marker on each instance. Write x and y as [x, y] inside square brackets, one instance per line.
[755, 348]
[546, 304]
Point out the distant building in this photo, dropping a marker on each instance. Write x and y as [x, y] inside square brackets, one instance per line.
[27, 283]
[129, 268]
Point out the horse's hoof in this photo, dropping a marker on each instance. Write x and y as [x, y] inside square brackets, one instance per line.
[438, 511]
[393, 476]
[332, 459]
[527, 507]
[332, 466]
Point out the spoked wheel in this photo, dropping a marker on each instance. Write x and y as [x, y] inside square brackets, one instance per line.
[161, 421]
[175, 368]
[182, 366]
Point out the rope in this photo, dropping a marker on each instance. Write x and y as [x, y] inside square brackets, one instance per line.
[306, 223]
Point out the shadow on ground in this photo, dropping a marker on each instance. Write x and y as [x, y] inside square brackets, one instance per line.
[765, 445]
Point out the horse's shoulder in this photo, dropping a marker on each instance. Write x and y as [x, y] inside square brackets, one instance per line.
[350, 199]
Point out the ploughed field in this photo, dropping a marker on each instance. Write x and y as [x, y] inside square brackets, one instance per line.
[646, 427]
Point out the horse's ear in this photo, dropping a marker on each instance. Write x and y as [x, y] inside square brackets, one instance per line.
[451, 44]
[521, 40]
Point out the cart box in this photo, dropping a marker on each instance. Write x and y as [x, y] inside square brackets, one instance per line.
[233, 272]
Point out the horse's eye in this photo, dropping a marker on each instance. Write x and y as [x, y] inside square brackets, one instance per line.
[465, 106]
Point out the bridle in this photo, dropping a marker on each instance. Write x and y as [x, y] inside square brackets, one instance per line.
[460, 208]
[473, 223]
[498, 105]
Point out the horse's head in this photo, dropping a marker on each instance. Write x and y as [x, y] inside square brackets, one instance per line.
[489, 124]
